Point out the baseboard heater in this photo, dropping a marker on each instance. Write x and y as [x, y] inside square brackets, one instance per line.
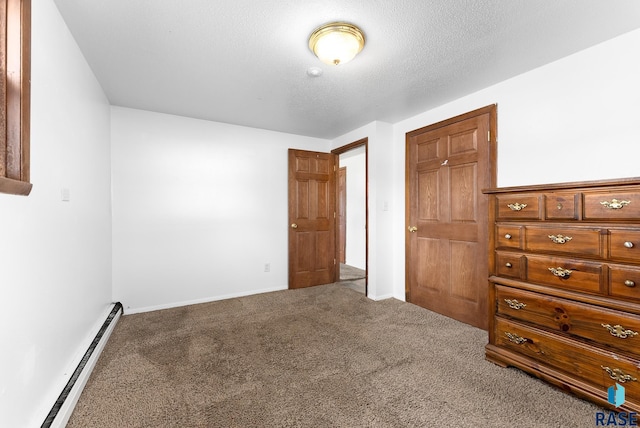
[61, 410]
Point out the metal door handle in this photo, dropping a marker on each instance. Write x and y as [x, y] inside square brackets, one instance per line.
[294, 226]
[412, 229]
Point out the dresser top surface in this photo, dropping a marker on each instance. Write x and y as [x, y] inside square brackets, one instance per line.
[602, 184]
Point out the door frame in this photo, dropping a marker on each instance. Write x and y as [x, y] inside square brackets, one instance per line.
[338, 151]
[340, 208]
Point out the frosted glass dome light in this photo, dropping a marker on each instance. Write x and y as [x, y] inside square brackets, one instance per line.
[336, 43]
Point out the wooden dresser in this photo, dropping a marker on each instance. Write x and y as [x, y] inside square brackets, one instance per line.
[565, 285]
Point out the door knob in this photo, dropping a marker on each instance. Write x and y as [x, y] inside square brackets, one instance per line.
[294, 226]
[412, 229]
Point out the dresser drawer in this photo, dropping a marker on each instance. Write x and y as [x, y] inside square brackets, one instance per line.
[612, 205]
[624, 244]
[509, 236]
[519, 206]
[564, 239]
[624, 281]
[565, 273]
[561, 206]
[510, 265]
[600, 368]
[616, 329]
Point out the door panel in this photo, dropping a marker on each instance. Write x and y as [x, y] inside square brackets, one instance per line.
[448, 165]
[463, 204]
[428, 202]
[463, 273]
[465, 141]
[304, 259]
[430, 275]
[302, 201]
[312, 201]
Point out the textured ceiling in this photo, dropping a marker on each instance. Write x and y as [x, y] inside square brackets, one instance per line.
[244, 61]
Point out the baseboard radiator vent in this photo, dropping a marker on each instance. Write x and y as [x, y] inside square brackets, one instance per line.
[63, 407]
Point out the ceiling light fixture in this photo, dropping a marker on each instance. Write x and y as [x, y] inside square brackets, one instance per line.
[336, 43]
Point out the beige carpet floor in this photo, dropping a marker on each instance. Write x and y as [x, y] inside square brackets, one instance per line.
[348, 272]
[353, 278]
[319, 357]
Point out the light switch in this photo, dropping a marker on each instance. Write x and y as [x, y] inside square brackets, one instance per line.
[66, 194]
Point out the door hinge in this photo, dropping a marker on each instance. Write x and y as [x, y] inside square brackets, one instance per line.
[334, 261]
[488, 135]
[334, 214]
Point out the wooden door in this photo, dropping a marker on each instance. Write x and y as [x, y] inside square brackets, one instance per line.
[448, 165]
[342, 215]
[312, 218]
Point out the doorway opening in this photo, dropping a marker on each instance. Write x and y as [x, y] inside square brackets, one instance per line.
[352, 215]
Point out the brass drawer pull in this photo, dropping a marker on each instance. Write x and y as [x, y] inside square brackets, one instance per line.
[514, 304]
[615, 204]
[507, 264]
[517, 206]
[629, 283]
[560, 239]
[618, 375]
[628, 244]
[518, 340]
[560, 272]
[619, 331]
[507, 236]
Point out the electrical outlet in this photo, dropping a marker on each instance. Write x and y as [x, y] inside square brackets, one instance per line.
[267, 267]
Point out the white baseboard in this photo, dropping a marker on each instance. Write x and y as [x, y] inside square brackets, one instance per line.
[129, 311]
[61, 419]
[381, 297]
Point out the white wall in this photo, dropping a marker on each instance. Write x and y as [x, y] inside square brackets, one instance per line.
[55, 256]
[199, 208]
[572, 120]
[356, 206]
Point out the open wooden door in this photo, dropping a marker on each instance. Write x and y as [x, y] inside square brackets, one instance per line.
[312, 218]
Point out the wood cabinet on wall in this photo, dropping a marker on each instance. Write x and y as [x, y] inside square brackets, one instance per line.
[565, 285]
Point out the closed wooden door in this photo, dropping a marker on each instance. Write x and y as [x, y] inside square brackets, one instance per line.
[448, 165]
[312, 218]
[342, 215]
